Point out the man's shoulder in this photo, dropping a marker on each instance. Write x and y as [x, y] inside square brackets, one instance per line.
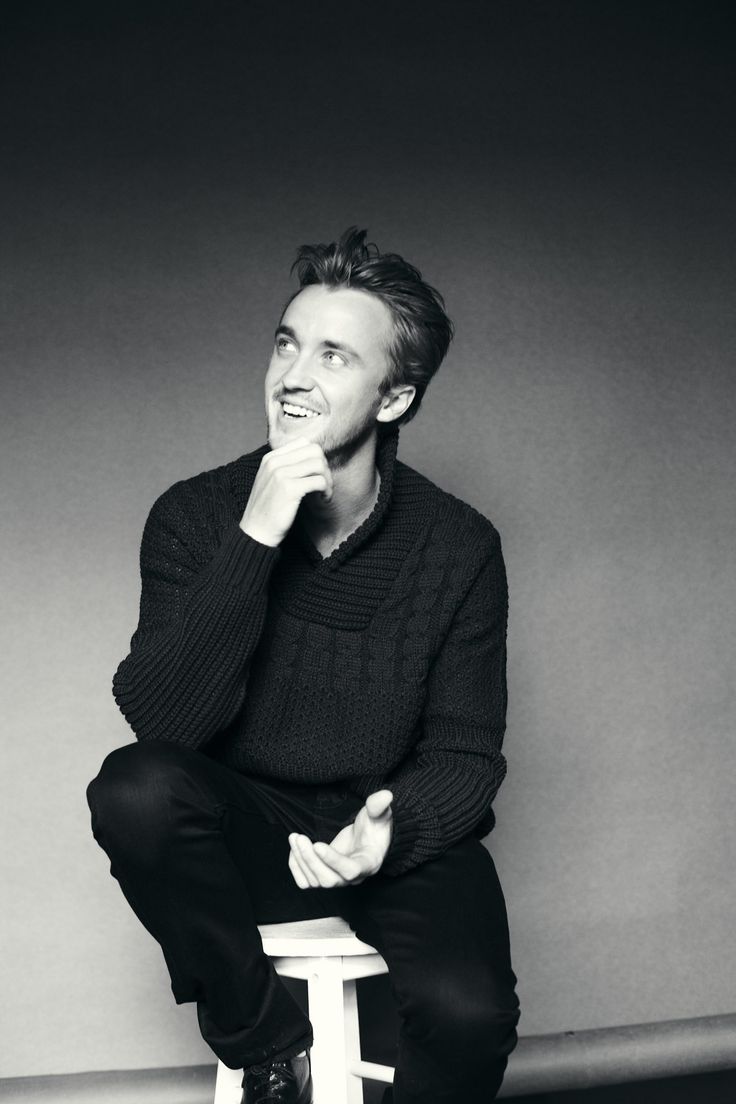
[230, 472]
[232, 476]
[186, 521]
[453, 521]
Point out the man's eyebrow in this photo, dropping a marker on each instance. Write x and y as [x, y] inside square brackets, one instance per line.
[281, 329]
[339, 345]
[343, 348]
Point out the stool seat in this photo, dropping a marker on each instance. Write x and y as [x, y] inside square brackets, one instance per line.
[327, 954]
[328, 935]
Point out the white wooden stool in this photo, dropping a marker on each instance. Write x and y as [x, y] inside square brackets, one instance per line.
[330, 957]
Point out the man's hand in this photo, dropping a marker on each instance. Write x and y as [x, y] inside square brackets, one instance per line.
[356, 852]
[285, 475]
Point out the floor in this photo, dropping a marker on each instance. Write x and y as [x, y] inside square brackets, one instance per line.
[132, 1087]
[713, 1088]
[379, 1028]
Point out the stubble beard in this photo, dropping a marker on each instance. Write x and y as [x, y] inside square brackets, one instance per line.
[339, 455]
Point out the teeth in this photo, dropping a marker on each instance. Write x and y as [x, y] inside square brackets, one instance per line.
[299, 411]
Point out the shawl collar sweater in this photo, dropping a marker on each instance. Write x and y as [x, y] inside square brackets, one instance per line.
[380, 665]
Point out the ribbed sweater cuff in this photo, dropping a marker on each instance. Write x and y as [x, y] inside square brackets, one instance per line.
[404, 836]
[242, 561]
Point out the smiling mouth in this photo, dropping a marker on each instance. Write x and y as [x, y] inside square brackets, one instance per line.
[295, 413]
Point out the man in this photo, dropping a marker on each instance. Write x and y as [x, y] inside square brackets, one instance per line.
[317, 688]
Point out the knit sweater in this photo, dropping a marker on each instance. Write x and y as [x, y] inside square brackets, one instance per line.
[380, 665]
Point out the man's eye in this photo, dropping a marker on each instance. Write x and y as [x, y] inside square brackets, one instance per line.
[281, 341]
[329, 353]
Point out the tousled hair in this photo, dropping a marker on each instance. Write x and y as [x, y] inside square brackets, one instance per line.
[422, 329]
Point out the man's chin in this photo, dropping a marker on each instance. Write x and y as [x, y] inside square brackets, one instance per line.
[339, 448]
[279, 435]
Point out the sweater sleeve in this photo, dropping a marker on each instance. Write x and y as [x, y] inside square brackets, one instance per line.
[444, 788]
[202, 611]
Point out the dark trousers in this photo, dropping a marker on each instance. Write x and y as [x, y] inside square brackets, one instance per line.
[201, 854]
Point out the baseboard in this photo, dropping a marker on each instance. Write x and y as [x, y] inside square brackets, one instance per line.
[540, 1063]
[180, 1085]
[617, 1055]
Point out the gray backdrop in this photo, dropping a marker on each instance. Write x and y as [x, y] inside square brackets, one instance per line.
[564, 177]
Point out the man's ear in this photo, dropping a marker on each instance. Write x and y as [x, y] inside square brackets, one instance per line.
[396, 402]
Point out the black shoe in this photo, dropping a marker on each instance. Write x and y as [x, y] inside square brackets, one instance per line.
[287, 1081]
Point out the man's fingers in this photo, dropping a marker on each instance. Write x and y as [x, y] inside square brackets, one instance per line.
[282, 456]
[312, 881]
[320, 864]
[379, 802]
[325, 875]
[303, 879]
[346, 867]
[296, 871]
[318, 872]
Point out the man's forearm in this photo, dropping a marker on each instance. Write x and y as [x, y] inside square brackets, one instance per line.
[186, 674]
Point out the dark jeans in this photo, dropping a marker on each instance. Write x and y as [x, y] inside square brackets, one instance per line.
[201, 854]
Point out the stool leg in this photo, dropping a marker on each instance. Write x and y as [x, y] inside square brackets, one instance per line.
[228, 1085]
[352, 1041]
[327, 1014]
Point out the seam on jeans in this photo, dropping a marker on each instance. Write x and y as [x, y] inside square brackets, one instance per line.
[223, 805]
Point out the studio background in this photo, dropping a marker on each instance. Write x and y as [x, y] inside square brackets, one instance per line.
[564, 174]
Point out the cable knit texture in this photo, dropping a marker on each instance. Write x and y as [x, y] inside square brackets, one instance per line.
[381, 665]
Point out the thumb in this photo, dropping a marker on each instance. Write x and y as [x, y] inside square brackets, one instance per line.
[378, 804]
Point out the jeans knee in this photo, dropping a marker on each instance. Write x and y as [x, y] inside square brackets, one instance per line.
[469, 1022]
[499, 1031]
[481, 1028]
[129, 798]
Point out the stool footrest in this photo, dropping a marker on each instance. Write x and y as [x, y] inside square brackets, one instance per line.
[372, 1071]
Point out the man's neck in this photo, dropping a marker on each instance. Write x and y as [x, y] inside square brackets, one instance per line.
[355, 493]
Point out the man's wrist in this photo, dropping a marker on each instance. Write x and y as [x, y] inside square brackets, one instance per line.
[387, 848]
[404, 833]
[259, 537]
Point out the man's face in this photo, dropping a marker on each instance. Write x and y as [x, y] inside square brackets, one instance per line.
[330, 355]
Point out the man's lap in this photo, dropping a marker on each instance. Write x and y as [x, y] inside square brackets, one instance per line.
[449, 908]
[452, 900]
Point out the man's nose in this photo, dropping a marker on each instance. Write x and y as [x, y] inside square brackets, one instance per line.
[299, 376]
